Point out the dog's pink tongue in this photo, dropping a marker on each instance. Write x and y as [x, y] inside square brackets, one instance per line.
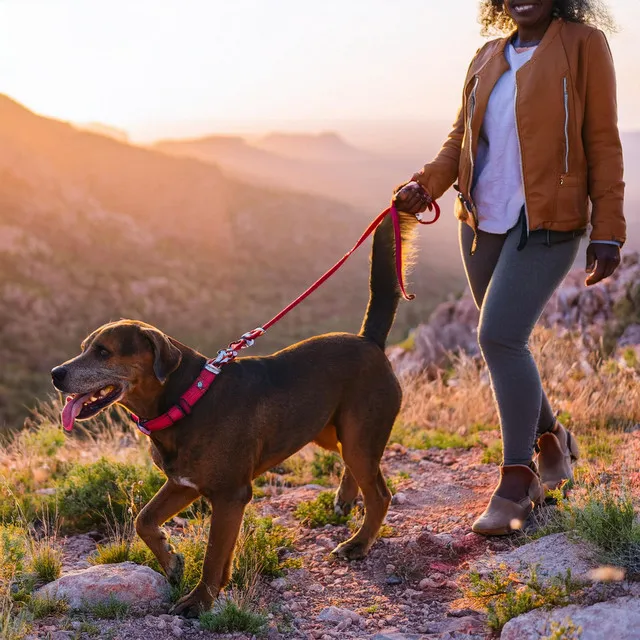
[72, 409]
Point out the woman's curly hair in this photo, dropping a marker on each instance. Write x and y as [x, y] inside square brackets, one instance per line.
[496, 21]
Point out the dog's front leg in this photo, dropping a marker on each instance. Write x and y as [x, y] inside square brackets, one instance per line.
[171, 499]
[228, 510]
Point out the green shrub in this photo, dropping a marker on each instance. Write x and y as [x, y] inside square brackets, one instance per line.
[119, 551]
[18, 505]
[111, 609]
[45, 606]
[45, 562]
[492, 453]
[92, 495]
[258, 550]
[45, 440]
[505, 594]
[13, 550]
[411, 436]
[566, 630]
[230, 618]
[325, 464]
[318, 512]
[609, 521]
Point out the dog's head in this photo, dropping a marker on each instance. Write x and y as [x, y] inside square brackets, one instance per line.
[120, 362]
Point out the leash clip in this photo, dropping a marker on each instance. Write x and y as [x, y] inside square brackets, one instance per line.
[210, 366]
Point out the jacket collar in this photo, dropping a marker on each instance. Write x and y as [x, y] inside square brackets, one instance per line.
[499, 45]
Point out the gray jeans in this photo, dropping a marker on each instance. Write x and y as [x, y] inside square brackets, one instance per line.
[511, 289]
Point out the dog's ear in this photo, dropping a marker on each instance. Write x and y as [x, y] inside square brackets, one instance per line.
[167, 356]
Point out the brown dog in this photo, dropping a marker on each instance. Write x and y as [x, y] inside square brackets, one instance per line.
[337, 390]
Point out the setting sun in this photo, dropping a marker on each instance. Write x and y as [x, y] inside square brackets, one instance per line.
[168, 68]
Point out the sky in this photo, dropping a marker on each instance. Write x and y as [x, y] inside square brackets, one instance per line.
[170, 68]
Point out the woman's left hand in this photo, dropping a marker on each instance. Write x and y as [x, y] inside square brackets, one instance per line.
[602, 260]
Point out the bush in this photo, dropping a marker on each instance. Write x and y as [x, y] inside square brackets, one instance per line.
[492, 453]
[119, 551]
[506, 594]
[325, 464]
[13, 550]
[45, 606]
[412, 436]
[609, 522]
[93, 495]
[230, 618]
[258, 551]
[319, 512]
[111, 609]
[45, 562]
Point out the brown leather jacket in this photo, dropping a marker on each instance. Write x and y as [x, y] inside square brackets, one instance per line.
[566, 115]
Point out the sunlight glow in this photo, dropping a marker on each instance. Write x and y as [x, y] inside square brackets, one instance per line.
[164, 67]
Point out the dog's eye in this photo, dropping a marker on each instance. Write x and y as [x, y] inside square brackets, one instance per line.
[103, 353]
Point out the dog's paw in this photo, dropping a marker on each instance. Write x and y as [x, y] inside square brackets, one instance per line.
[193, 604]
[351, 550]
[175, 569]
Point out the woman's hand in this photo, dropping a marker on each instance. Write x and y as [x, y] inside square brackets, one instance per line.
[412, 198]
[602, 260]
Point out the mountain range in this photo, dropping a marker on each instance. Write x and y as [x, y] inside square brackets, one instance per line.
[93, 229]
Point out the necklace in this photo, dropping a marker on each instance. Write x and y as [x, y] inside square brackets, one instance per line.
[518, 44]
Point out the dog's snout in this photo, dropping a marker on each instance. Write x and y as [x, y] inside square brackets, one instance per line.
[58, 374]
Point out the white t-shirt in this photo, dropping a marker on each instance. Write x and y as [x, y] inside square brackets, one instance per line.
[497, 190]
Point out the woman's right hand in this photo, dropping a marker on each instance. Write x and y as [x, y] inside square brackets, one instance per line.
[412, 198]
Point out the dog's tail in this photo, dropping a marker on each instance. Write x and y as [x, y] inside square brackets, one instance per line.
[384, 289]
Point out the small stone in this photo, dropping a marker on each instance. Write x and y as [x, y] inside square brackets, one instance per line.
[177, 632]
[337, 615]
[399, 498]
[429, 583]
[393, 579]
[279, 583]
[325, 542]
[161, 625]
[390, 568]
[344, 624]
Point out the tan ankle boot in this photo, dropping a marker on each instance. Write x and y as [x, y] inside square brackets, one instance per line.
[512, 501]
[557, 453]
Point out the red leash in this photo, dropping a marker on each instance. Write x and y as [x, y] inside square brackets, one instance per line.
[212, 368]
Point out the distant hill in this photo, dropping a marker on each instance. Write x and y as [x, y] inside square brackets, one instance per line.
[92, 229]
[323, 147]
[104, 130]
[323, 164]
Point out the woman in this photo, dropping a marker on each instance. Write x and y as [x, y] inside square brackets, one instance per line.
[535, 140]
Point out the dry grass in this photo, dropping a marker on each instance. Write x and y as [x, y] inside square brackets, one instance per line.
[591, 395]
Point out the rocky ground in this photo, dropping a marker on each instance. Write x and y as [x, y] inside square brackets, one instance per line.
[408, 587]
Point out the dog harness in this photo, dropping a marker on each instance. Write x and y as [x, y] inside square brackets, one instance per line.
[212, 368]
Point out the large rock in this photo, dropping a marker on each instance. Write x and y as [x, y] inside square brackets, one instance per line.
[552, 555]
[617, 619]
[142, 588]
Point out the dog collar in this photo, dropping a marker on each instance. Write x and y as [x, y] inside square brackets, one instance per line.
[200, 386]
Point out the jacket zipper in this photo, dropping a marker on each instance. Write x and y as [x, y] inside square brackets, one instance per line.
[472, 108]
[524, 191]
[566, 126]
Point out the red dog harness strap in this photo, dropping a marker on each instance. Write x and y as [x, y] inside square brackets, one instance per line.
[212, 367]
